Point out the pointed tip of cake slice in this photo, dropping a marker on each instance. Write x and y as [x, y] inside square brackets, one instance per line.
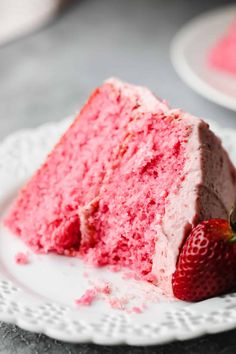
[147, 98]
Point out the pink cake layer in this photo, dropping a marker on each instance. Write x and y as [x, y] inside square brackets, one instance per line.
[223, 55]
[125, 184]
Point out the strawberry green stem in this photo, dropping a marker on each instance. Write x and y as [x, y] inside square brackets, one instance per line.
[233, 238]
[232, 220]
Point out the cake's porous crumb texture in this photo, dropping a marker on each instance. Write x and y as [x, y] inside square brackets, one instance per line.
[132, 197]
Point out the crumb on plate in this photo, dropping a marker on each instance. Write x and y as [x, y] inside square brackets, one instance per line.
[137, 309]
[118, 303]
[88, 298]
[21, 258]
[105, 289]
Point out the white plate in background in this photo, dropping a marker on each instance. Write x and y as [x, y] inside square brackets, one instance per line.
[189, 50]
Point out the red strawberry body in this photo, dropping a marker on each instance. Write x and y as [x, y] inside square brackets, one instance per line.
[207, 263]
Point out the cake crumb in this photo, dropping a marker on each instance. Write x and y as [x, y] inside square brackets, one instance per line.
[105, 289]
[21, 258]
[137, 309]
[88, 298]
[151, 278]
[118, 303]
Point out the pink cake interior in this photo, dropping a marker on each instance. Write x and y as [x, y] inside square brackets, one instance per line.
[133, 194]
[223, 55]
[46, 213]
[102, 190]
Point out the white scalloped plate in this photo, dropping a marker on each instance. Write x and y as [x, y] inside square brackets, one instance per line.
[189, 56]
[40, 296]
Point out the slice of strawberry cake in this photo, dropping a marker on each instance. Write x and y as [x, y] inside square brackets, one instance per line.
[126, 184]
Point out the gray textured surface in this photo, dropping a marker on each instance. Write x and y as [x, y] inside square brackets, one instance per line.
[47, 75]
[14, 340]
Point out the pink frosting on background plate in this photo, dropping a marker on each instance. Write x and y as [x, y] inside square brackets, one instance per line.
[223, 55]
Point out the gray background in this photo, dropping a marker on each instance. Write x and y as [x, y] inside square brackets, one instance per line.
[49, 74]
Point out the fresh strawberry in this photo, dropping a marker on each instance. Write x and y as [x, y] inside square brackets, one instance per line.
[207, 263]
